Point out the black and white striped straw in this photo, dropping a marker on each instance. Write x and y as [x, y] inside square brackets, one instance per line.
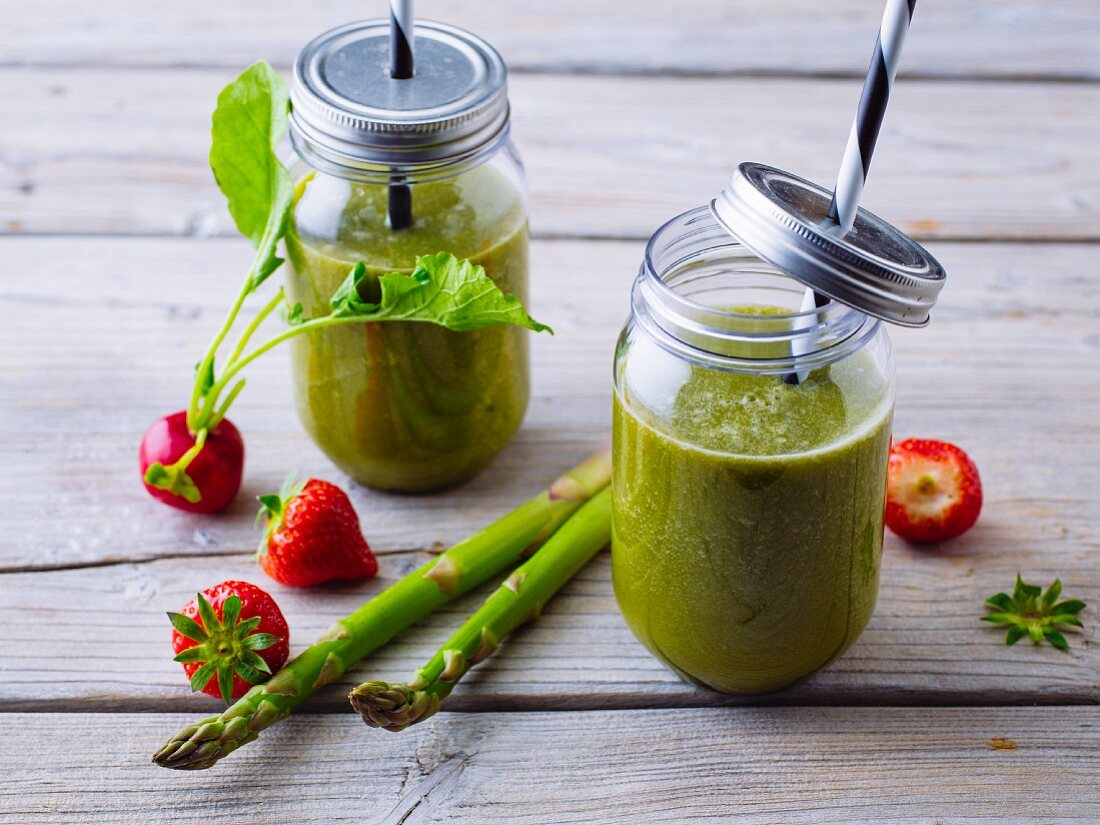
[399, 206]
[401, 39]
[864, 134]
[872, 107]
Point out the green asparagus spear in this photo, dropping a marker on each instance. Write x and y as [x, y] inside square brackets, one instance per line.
[464, 566]
[519, 599]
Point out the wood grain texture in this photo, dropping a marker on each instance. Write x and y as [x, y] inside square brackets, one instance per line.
[84, 372]
[1005, 369]
[752, 766]
[924, 646]
[626, 114]
[1026, 38]
[93, 351]
[124, 151]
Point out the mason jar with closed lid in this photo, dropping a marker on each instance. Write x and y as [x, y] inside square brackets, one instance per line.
[389, 170]
[751, 435]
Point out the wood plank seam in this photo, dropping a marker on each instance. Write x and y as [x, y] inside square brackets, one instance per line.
[432, 548]
[520, 68]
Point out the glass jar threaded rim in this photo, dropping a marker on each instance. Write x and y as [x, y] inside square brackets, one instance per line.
[698, 294]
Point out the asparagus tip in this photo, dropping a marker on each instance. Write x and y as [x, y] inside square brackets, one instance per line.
[392, 707]
[193, 748]
[200, 745]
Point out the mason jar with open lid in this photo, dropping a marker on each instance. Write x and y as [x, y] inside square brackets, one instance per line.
[751, 434]
[389, 170]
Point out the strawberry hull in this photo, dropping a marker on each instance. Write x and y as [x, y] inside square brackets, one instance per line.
[254, 603]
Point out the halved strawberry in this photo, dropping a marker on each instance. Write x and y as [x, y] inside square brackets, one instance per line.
[312, 536]
[933, 492]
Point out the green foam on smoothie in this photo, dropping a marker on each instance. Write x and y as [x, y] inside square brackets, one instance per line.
[752, 414]
[758, 414]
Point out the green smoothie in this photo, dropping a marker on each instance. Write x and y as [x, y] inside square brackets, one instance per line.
[408, 406]
[748, 518]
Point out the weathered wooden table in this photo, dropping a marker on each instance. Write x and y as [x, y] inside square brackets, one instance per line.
[116, 262]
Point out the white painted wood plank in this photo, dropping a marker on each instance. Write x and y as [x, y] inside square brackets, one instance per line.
[950, 37]
[925, 645]
[97, 339]
[809, 766]
[124, 151]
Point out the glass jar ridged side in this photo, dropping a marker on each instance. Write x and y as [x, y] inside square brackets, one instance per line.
[748, 502]
[406, 406]
[409, 407]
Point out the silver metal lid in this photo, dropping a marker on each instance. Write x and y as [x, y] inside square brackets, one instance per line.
[349, 111]
[876, 267]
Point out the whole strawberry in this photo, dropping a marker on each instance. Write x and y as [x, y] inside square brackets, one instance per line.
[312, 536]
[230, 637]
[933, 492]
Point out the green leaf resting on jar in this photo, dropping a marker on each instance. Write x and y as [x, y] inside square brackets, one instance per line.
[248, 124]
[442, 289]
[250, 121]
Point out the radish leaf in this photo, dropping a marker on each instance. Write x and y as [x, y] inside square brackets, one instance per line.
[441, 290]
[249, 122]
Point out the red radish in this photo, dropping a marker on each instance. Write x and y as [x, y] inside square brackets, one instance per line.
[230, 637]
[933, 492]
[204, 482]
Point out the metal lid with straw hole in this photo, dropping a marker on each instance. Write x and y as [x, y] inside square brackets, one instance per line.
[350, 112]
[875, 267]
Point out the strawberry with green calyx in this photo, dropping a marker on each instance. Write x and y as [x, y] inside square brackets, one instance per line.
[230, 637]
[248, 125]
[1031, 612]
[312, 536]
